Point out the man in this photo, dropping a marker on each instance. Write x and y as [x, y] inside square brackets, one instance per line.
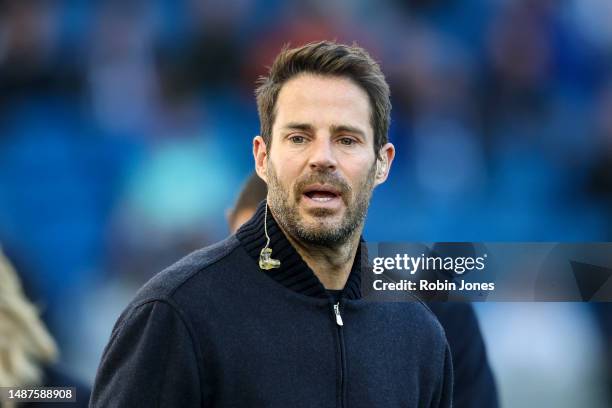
[272, 316]
[474, 385]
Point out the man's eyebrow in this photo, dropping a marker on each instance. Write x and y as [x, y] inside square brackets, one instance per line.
[333, 128]
[299, 126]
[347, 129]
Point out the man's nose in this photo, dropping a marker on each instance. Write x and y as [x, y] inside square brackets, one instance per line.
[322, 156]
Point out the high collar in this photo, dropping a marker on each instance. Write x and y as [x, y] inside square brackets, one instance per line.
[293, 272]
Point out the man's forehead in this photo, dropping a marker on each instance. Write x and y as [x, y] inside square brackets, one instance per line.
[316, 100]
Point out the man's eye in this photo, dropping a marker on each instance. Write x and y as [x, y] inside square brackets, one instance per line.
[347, 141]
[297, 139]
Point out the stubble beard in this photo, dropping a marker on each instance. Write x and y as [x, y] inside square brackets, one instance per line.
[323, 232]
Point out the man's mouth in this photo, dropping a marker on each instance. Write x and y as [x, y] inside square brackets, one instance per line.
[322, 193]
[321, 196]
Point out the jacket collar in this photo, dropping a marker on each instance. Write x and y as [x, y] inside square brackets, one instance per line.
[293, 272]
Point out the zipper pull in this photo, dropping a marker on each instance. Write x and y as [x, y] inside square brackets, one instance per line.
[337, 313]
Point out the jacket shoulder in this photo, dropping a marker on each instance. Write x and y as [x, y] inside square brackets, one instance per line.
[203, 261]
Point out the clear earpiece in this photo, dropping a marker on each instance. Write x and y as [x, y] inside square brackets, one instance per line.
[266, 261]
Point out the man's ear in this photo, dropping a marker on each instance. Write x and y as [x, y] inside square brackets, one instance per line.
[383, 163]
[260, 153]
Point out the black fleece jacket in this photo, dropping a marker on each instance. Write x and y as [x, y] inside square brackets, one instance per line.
[214, 330]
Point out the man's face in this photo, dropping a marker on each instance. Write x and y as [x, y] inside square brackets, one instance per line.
[321, 167]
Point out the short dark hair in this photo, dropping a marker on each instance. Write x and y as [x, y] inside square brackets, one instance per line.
[326, 58]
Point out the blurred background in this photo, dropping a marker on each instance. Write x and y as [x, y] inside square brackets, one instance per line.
[126, 128]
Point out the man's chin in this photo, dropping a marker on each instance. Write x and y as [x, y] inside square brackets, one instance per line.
[320, 215]
[321, 225]
[320, 236]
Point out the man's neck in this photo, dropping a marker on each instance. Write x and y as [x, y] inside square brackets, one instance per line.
[331, 264]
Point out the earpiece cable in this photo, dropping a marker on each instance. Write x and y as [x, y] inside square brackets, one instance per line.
[266, 225]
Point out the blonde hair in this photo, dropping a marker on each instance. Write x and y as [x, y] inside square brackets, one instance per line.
[25, 344]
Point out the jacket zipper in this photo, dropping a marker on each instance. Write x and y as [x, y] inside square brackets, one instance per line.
[337, 313]
[341, 348]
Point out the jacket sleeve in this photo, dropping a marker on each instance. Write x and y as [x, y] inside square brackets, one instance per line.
[150, 361]
[444, 393]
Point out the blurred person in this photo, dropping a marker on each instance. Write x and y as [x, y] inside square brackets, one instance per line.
[474, 383]
[121, 75]
[252, 193]
[27, 351]
[236, 324]
[599, 178]
[32, 61]
[599, 188]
